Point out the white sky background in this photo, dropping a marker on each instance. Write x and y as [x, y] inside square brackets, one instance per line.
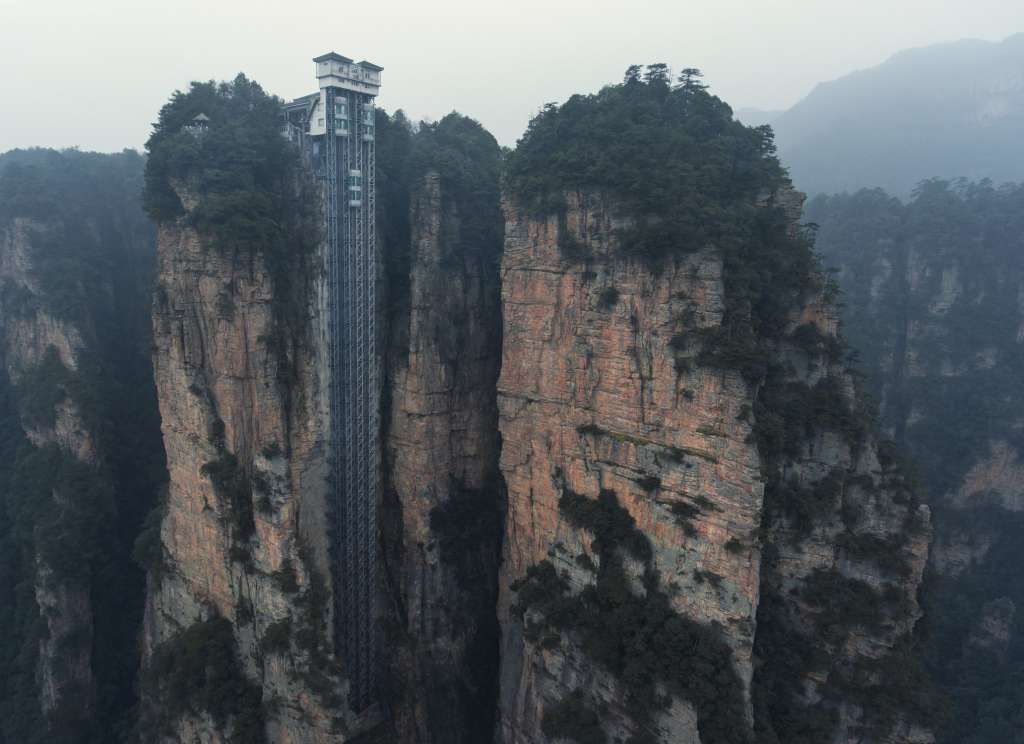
[94, 73]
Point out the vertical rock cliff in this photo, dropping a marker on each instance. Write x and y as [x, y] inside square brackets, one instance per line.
[933, 300]
[36, 341]
[243, 565]
[595, 406]
[81, 463]
[443, 501]
[245, 515]
[704, 540]
[242, 571]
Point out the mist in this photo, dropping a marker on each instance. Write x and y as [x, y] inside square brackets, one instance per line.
[92, 75]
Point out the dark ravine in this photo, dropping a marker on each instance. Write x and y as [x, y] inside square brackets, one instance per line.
[443, 507]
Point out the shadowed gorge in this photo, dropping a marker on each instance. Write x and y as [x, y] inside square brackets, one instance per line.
[443, 504]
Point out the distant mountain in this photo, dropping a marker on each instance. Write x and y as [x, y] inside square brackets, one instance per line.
[947, 110]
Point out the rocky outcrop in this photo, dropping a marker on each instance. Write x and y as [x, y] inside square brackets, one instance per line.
[244, 536]
[932, 299]
[442, 494]
[32, 338]
[74, 252]
[591, 399]
[618, 432]
[845, 541]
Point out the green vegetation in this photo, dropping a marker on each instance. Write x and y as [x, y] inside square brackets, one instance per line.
[233, 487]
[320, 671]
[674, 454]
[286, 578]
[964, 391]
[805, 506]
[635, 635]
[684, 514]
[91, 261]
[468, 161]
[788, 416]
[277, 637]
[691, 177]
[198, 671]
[87, 228]
[608, 298]
[973, 229]
[572, 719]
[252, 197]
[649, 483]
[43, 390]
[788, 412]
[674, 157]
[983, 681]
[251, 192]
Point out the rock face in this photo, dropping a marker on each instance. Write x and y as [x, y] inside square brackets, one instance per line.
[75, 252]
[845, 543]
[596, 526]
[605, 389]
[246, 551]
[442, 497]
[64, 669]
[244, 536]
[933, 294]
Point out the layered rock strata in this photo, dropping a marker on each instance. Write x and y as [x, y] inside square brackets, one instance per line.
[245, 532]
[606, 393]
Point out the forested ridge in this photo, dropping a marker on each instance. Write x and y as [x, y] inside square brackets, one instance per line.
[91, 257]
[932, 301]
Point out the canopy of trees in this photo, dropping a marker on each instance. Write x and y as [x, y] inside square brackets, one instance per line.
[247, 179]
[689, 177]
[91, 260]
[932, 290]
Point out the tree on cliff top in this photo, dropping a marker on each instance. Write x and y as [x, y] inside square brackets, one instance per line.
[240, 169]
[468, 161]
[689, 177]
[676, 154]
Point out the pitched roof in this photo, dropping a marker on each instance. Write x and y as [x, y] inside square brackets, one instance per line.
[332, 57]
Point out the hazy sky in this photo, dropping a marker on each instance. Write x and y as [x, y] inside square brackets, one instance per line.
[94, 73]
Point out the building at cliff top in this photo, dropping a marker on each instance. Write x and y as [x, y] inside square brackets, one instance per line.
[334, 128]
